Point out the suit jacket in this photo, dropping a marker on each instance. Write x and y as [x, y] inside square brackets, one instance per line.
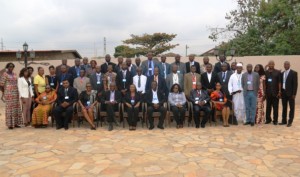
[104, 67]
[291, 83]
[218, 65]
[73, 72]
[161, 84]
[224, 84]
[169, 81]
[203, 97]
[24, 88]
[67, 76]
[206, 84]
[196, 64]
[272, 88]
[80, 85]
[93, 80]
[181, 67]
[58, 69]
[127, 98]
[145, 67]
[106, 97]
[188, 82]
[149, 96]
[168, 69]
[72, 94]
[133, 70]
[255, 80]
[123, 85]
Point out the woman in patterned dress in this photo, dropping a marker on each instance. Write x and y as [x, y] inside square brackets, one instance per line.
[9, 87]
[260, 114]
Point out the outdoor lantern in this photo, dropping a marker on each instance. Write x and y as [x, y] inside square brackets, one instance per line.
[19, 55]
[232, 51]
[25, 47]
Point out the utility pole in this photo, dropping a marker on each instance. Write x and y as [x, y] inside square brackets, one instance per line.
[2, 45]
[186, 48]
[104, 46]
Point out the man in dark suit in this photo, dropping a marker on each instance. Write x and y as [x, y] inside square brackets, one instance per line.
[165, 67]
[64, 76]
[118, 67]
[289, 88]
[131, 67]
[66, 97]
[138, 62]
[123, 79]
[200, 100]
[161, 83]
[155, 100]
[192, 62]
[149, 65]
[96, 80]
[111, 99]
[174, 78]
[58, 68]
[218, 65]
[181, 66]
[107, 62]
[209, 79]
[75, 70]
[273, 93]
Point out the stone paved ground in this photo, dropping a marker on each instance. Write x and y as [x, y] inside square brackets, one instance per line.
[214, 151]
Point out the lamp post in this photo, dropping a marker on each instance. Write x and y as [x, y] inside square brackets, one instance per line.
[222, 52]
[31, 55]
[25, 48]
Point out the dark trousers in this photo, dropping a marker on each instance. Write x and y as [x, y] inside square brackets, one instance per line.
[132, 116]
[272, 102]
[63, 121]
[285, 101]
[178, 114]
[111, 109]
[162, 116]
[197, 110]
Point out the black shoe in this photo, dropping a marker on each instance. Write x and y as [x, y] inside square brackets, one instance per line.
[93, 128]
[197, 126]
[10, 128]
[275, 123]
[116, 123]
[247, 123]
[160, 127]
[202, 126]
[268, 122]
[151, 127]
[17, 126]
[57, 128]
[66, 128]
[282, 123]
[289, 125]
[110, 127]
[252, 124]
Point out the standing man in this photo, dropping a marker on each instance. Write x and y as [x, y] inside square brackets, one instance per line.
[118, 67]
[191, 63]
[190, 81]
[233, 67]
[81, 81]
[75, 70]
[222, 59]
[161, 82]
[124, 79]
[209, 79]
[149, 65]
[85, 64]
[66, 97]
[236, 90]
[205, 63]
[64, 75]
[140, 81]
[273, 92]
[165, 67]
[138, 62]
[104, 66]
[181, 66]
[250, 83]
[131, 67]
[289, 79]
[58, 68]
[174, 78]
[97, 80]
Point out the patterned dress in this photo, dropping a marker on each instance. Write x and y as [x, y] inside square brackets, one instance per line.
[13, 113]
[41, 112]
[220, 97]
[260, 114]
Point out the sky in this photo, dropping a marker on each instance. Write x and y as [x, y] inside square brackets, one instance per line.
[83, 24]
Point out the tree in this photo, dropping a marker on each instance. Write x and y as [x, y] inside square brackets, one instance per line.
[156, 43]
[125, 51]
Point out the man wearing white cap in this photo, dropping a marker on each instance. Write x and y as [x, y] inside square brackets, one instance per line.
[236, 90]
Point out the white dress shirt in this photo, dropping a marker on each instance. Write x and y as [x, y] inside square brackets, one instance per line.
[143, 83]
[175, 79]
[209, 77]
[285, 75]
[154, 97]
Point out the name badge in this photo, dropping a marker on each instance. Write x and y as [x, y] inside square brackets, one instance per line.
[66, 97]
[112, 100]
[154, 98]
[178, 72]
[88, 103]
[124, 80]
[194, 83]
[132, 101]
[51, 84]
[98, 82]
[150, 69]
[61, 83]
[248, 82]
[221, 100]
[196, 102]
[270, 80]
[196, 98]
[44, 97]
[223, 80]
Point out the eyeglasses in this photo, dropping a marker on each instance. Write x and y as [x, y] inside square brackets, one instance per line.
[48, 88]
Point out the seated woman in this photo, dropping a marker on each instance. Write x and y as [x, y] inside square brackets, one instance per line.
[177, 101]
[132, 101]
[41, 113]
[220, 102]
[87, 101]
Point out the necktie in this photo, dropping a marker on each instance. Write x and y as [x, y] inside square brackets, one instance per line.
[150, 66]
[139, 81]
[98, 77]
[66, 92]
[223, 77]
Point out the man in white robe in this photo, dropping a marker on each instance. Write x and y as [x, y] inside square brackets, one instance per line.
[236, 90]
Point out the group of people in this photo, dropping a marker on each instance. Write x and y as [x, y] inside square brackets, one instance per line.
[222, 87]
